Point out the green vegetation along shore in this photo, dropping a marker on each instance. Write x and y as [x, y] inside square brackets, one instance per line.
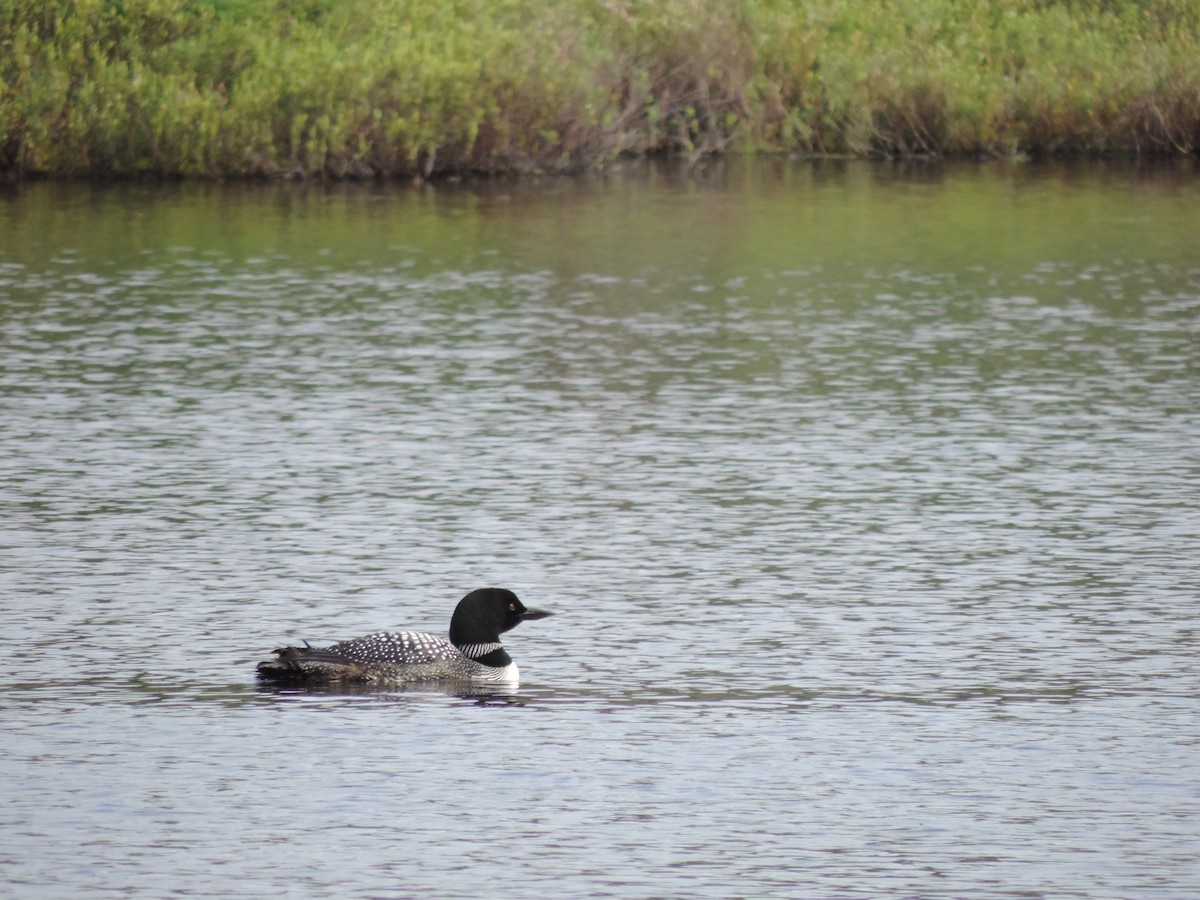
[366, 88]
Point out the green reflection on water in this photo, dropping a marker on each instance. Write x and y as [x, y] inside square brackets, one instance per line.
[733, 218]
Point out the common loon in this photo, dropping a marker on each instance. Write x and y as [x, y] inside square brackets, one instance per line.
[473, 653]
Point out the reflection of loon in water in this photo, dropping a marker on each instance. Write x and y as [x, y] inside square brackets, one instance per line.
[473, 653]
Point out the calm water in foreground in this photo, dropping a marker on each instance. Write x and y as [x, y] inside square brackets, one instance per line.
[868, 500]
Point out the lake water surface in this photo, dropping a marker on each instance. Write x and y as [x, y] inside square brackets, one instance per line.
[867, 498]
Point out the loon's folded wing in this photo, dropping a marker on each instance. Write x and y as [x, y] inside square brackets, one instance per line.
[300, 664]
[385, 655]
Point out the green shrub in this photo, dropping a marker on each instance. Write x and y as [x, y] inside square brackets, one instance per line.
[357, 88]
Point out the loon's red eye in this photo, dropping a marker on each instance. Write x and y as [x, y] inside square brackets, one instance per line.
[512, 607]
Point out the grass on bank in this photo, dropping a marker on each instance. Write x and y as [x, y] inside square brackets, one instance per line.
[359, 88]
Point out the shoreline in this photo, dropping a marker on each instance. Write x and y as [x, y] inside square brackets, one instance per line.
[379, 90]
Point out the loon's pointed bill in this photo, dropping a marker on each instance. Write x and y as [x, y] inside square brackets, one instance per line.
[473, 653]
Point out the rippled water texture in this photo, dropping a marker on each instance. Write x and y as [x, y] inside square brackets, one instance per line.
[867, 500]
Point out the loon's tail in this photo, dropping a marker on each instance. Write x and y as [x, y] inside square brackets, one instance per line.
[301, 665]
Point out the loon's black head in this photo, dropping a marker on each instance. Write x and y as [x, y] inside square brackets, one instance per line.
[483, 615]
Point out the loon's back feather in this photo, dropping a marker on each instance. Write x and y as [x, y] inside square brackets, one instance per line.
[397, 656]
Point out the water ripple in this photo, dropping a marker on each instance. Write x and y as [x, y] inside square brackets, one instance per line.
[873, 577]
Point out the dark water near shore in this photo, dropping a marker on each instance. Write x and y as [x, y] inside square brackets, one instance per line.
[866, 497]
